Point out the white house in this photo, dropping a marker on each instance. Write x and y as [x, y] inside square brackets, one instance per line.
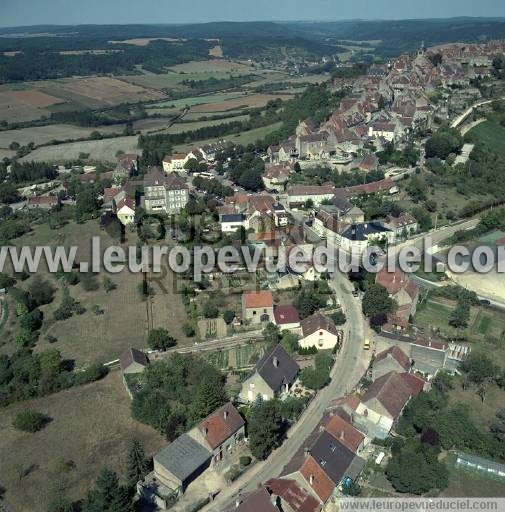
[175, 162]
[319, 331]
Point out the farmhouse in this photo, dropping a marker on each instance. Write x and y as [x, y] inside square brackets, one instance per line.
[276, 176]
[273, 375]
[403, 226]
[400, 288]
[175, 162]
[393, 359]
[127, 166]
[319, 331]
[258, 307]
[357, 237]
[220, 432]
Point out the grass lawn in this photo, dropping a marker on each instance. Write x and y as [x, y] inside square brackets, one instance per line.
[485, 323]
[197, 100]
[90, 430]
[467, 484]
[185, 126]
[90, 337]
[492, 134]
[173, 80]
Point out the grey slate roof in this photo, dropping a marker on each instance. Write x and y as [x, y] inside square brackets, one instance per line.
[232, 217]
[183, 457]
[275, 376]
[332, 456]
[362, 231]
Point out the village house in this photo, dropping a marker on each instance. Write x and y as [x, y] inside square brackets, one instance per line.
[42, 202]
[168, 194]
[258, 307]
[319, 331]
[220, 432]
[394, 359]
[256, 501]
[357, 237]
[127, 166]
[175, 162]
[125, 210]
[400, 288]
[281, 217]
[368, 163]
[327, 464]
[276, 176]
[287, 318]
[384, 401]
[349, 436]
[273, 376]
[293, 496]
[403, 226]
[300, 194]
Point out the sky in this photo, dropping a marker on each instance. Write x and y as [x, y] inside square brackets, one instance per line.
[73, 12]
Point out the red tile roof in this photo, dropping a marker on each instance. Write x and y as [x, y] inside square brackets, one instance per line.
[286, 315]
[391, 390]
[261, 299]
[221, 425]
[415, 383]
[317, 479]
[294, 495]
[345, 433]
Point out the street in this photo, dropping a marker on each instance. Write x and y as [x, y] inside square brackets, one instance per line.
[350, 365]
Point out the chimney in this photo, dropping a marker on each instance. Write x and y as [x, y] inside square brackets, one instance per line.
[205, 431]
[311, 479]
[342, 435]
[226, 414]
[275, 361]
[306, 451]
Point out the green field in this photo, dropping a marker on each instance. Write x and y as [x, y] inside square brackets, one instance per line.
[196, 100]
[243, 138]
[492, 134]
[173, 80]
[182, 127]
[484, 324]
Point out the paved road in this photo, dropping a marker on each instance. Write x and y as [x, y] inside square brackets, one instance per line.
[349, 367]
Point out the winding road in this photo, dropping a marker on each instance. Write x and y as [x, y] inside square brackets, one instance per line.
[349, 367]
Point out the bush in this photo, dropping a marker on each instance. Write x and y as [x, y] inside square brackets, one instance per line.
[30, 421]
[188, 330]
[245, 460]
[160, 339]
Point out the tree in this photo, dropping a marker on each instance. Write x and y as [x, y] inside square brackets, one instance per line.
[290, 342]
[272, 333]
[188, 330]
[30, 421]
[229, 316]
[376, 300]
[319, 376]
[416, 469]
[60, 504]
[209, 396]
[160, 339]
[86, 202]
[265, 428]
[444, 142]
[210, 309]
[307, 302]
[479, 367]
[137, 464]
[107, 495]
[6, 281]
[41, 291]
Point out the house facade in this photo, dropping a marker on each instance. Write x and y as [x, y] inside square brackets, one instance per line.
[168, 194]
[319, 331]
[258, 307]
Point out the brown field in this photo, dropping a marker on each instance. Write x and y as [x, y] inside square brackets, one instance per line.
[217, 51]
[90, 430]
[250, 101]
[100, 91]
[24, 105]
